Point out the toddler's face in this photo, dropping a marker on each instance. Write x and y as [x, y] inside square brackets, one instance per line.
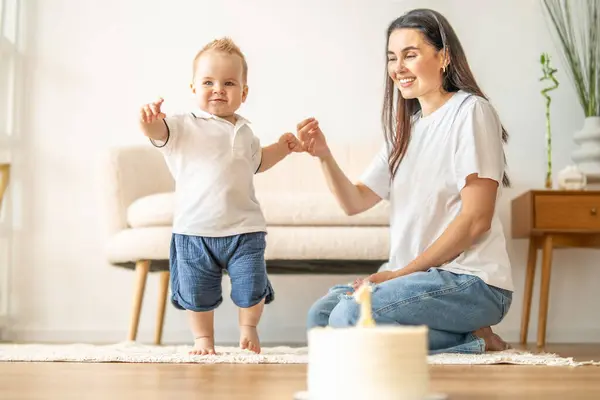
[218, 83]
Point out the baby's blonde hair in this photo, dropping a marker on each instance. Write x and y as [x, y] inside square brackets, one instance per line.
[225, 45]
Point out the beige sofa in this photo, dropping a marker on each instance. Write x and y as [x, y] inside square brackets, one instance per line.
[307, 230]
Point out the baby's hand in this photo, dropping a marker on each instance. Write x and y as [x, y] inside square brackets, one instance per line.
[151, 112]
[290, 142]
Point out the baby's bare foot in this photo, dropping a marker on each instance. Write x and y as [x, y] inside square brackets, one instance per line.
[249, 338]
[493, 342]
[203, 345]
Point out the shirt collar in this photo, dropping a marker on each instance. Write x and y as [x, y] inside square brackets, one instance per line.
[198, 113]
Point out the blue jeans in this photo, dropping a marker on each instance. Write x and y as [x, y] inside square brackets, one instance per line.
[197, 264]
[451, 305]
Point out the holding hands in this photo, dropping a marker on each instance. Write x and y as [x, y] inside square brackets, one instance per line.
[312, 138]
[290, 142]
[309, 138]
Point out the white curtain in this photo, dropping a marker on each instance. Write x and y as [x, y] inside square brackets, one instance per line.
[11, 78]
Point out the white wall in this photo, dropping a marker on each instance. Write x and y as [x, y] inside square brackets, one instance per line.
[92, 63]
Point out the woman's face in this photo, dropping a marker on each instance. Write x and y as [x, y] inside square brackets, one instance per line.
[414, 65]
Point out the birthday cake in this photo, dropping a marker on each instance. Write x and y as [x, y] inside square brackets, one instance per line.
[368, 361]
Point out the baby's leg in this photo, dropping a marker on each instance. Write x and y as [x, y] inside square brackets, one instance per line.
[250, 286]
[248, 320]
[196, 286]
[202, 325]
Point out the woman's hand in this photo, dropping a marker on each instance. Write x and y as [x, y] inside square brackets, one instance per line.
[376, 278]
[312, 138]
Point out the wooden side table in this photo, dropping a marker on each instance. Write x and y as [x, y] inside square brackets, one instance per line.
[552, 219]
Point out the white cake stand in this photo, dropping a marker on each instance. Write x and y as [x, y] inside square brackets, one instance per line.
[433, 396]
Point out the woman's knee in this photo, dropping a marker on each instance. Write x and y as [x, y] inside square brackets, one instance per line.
[319, 312]
[345, 313]
[317, 315]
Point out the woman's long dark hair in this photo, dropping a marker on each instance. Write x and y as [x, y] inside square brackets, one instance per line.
[457, 76]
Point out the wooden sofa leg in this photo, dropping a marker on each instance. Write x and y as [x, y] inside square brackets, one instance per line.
[141, 272]
[162, 303]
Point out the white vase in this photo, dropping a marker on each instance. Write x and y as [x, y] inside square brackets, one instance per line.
[587, 155]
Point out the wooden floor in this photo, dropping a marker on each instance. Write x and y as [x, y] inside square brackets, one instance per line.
[19, 381]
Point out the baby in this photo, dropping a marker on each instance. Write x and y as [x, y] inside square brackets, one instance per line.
[218, 225]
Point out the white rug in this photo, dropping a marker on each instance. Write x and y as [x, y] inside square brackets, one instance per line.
[130, 352]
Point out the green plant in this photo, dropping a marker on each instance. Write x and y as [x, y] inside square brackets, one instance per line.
[548, 72]
[577, 26]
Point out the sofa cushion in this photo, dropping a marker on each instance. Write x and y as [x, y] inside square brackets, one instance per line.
[316, 209]
[283, 243]
[152, 210]
[280, 209]
[131, 245]
[327, 243]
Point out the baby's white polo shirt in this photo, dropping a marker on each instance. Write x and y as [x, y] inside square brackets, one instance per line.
[213, 163]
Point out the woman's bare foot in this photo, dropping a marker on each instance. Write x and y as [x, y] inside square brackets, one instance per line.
[203, 345]
[249, 338]
[493, 342]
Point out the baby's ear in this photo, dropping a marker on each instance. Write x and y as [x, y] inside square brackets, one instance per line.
[193, 88]
[244, 93]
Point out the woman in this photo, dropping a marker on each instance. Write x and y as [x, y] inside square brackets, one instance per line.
[442, 169]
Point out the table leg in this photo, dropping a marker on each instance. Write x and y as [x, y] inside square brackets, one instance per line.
[528, 293]
[4, 178]
[544, 289]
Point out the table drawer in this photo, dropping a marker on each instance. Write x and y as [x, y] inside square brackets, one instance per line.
[567, 212]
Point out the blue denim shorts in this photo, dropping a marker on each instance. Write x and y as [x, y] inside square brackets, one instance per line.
[197, 264]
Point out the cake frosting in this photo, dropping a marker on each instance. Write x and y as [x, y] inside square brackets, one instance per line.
[383, 362]
[380, 362]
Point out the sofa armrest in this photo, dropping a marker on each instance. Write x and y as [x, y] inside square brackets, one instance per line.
[133, 172]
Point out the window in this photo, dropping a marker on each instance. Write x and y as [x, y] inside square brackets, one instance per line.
[11, 59]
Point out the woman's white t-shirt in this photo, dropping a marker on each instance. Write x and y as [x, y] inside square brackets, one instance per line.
[462, 137]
